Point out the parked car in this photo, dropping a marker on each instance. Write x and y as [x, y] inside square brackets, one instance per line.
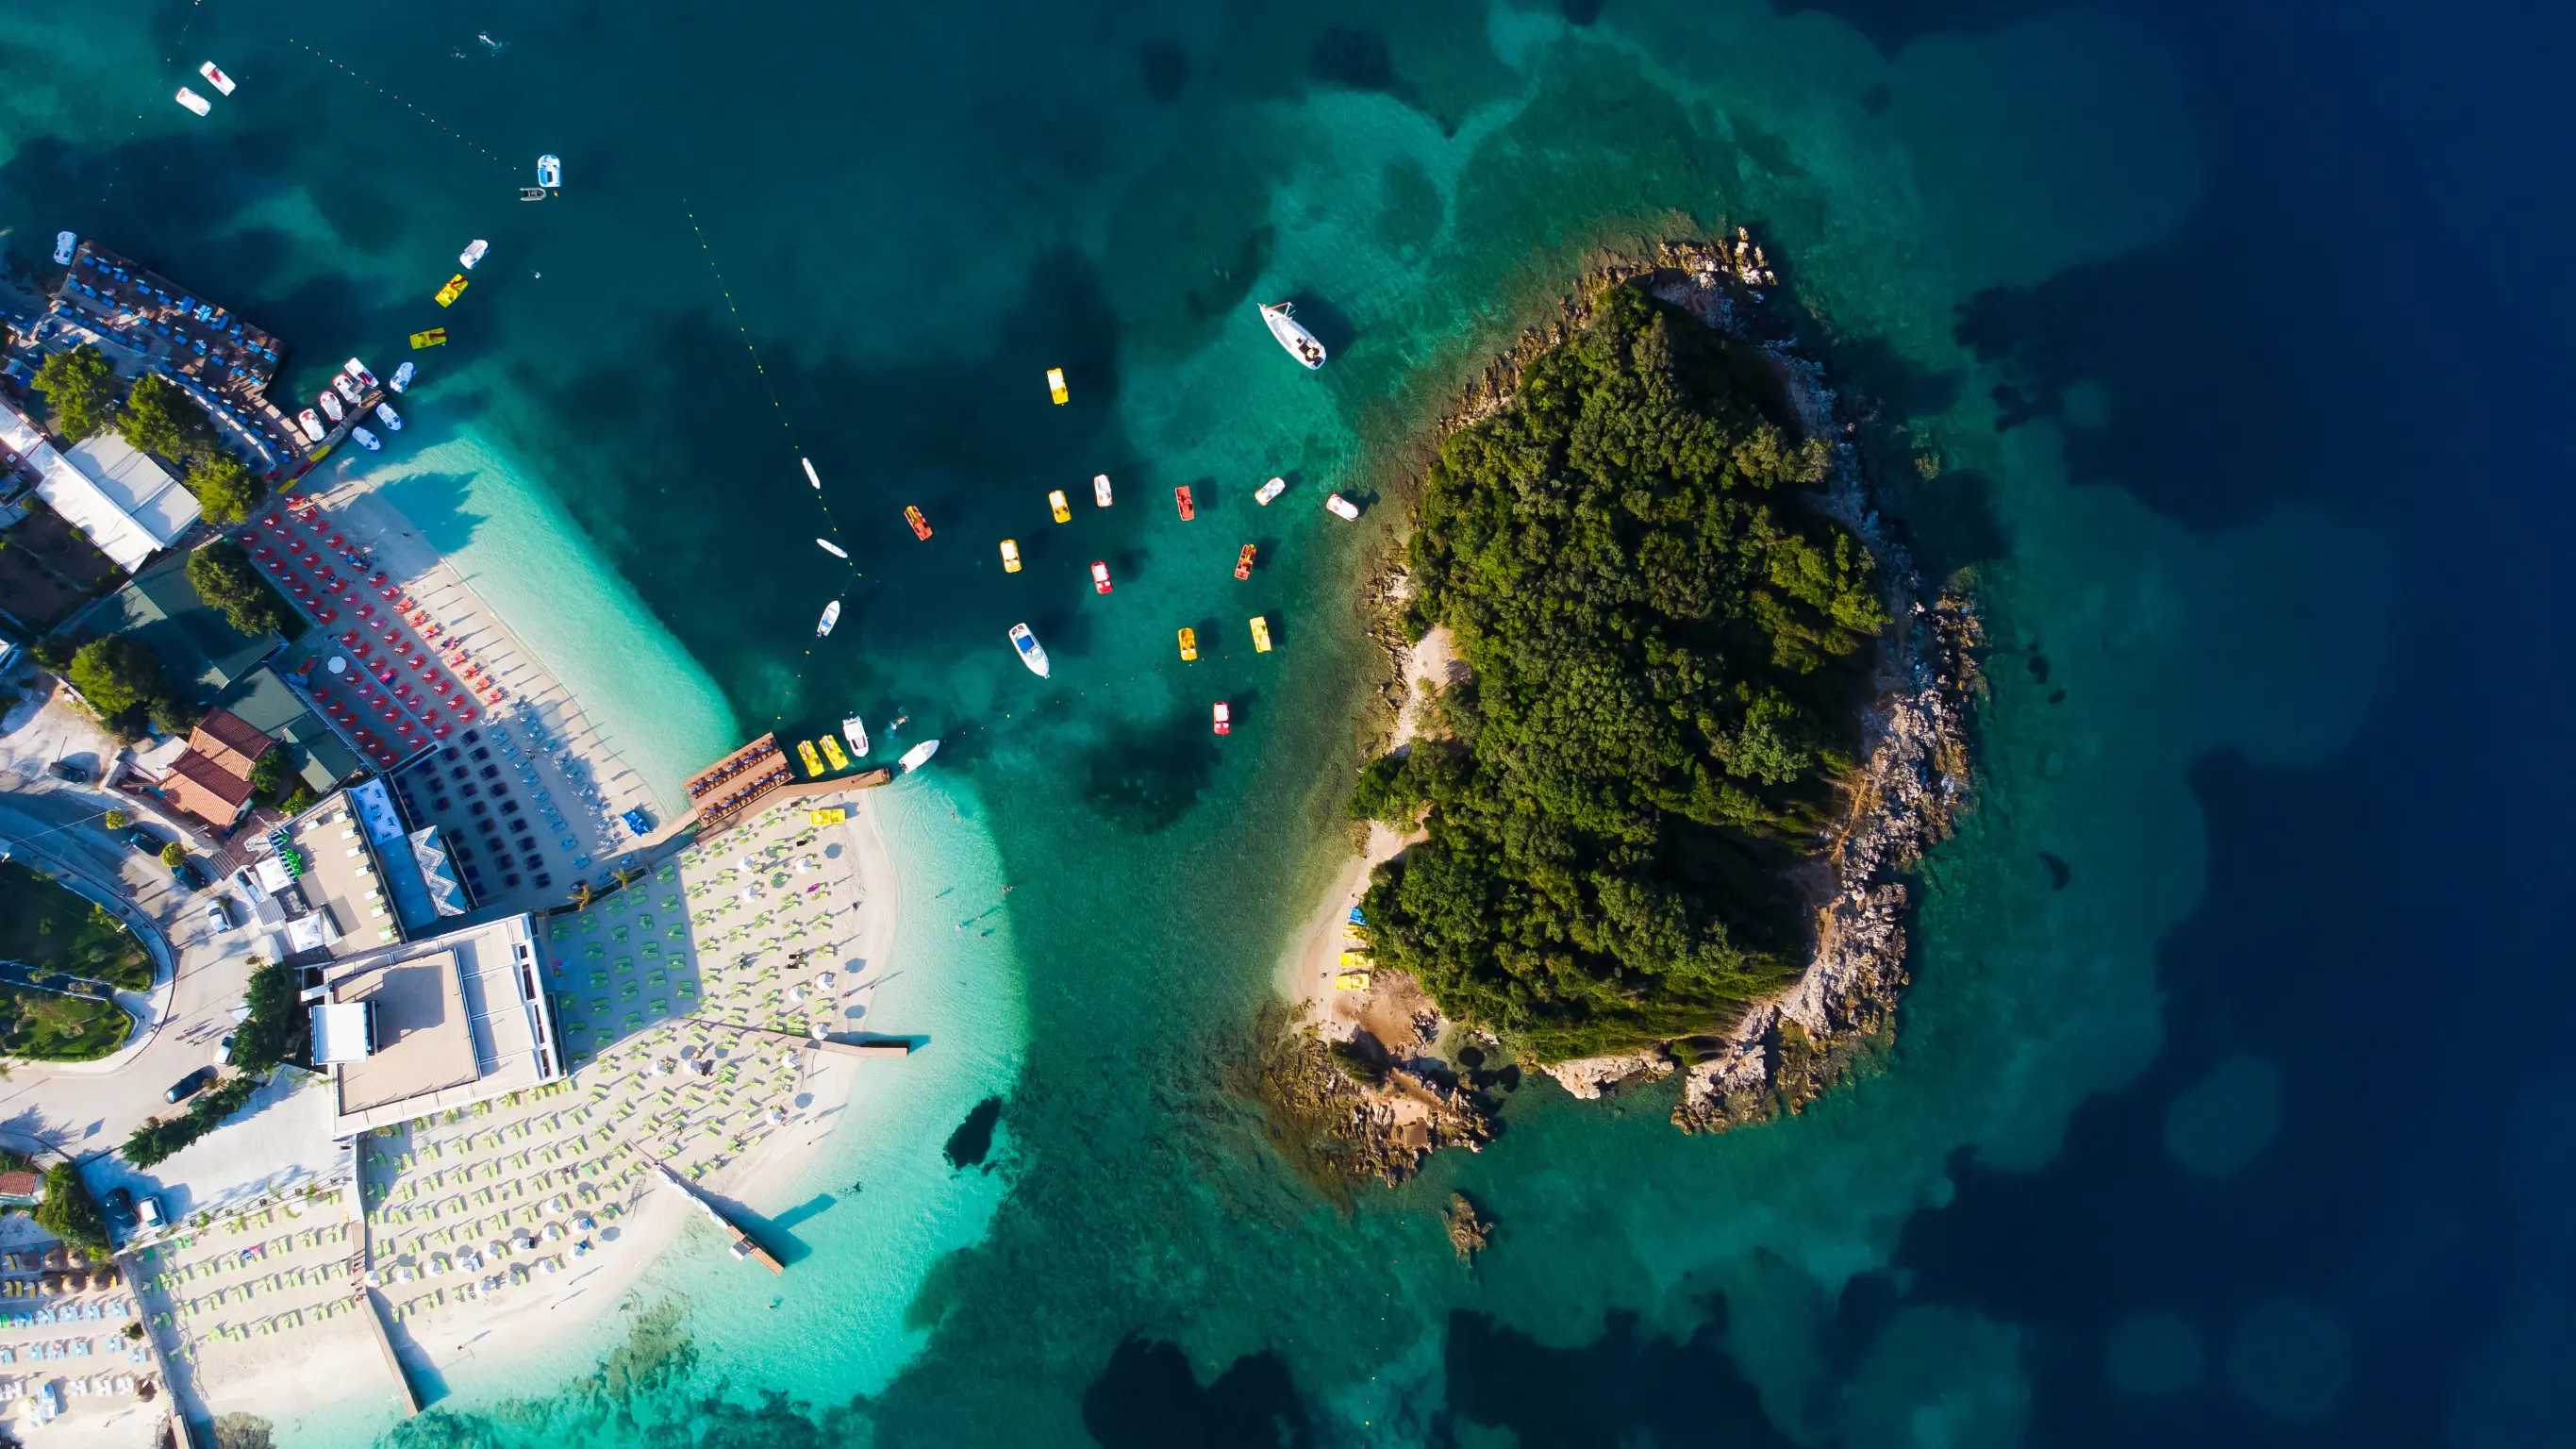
[217, 917]
[190, 874]
[190, 1085]
[67, 771]
[224, 1050]
[120, 1207]
[141, 839]
[147, 1210]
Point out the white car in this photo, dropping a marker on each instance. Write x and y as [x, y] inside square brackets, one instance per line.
[147, 1210]
[217, 918]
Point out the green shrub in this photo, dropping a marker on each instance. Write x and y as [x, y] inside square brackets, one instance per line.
[222, 575]
[80, 391]
[227, 490]
[70, 1213]
[173, 853]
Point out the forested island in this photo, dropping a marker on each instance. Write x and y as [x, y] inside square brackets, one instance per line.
[1708, 717]
[1669, 651]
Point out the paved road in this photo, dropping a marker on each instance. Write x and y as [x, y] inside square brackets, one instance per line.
[89, 1107]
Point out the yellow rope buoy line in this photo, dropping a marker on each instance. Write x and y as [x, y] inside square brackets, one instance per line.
[467, 141]
[831, 525]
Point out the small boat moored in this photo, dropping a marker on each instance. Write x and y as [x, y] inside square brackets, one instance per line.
[532, 193]
[402, 378]
[1243, 562]
[1099, 577]
[1055, 386]
[366, 440]
[1010, 555]
[1055, 502]
[386, 415]
[1223, 718]
[346, 386]
[832, 752]
[1100, 489]
[1189, 644]
[1032, 653]
[1260, 634]
[919, 755]
[434, 337]
[331, 406]
[831, 616]
[834, 549]
[920, 525]
[194, 101]
[473, 253]
[65, 243]
[1292, 334]
[813, 761]
[215, 77]
[1341, 507]
[855, 730]
[810, 475]
[1181, 498]
[1269, 490]
[454, 289]
[358, 373]
[311, 425]
[550, 172]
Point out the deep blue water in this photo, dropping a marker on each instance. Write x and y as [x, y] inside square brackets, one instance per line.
[2234, 1104]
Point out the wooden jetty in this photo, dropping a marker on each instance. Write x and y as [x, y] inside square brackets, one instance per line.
[374, 1303]
[743, 1246]
[894, 1048]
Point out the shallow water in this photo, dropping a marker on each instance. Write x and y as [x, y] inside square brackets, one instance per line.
[2109, 1185]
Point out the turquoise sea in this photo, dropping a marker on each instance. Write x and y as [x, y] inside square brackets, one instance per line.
[2156, 286]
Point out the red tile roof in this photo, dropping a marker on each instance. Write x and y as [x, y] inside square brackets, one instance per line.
[205, 789]
[230, 741]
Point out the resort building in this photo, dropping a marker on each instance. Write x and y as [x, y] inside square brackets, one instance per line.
[210, 779]
[347, 878]
[119, 499]
[431, 1026]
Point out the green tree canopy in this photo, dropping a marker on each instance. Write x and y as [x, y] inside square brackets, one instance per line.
[275, 1030]
[1668, 653]
[118, 674]
[70, 1213]
[159, 418]
[172, 853]
[80, 391]
[227, 490]
[222, 575]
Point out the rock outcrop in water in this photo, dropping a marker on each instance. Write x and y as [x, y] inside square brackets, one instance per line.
[1346, 1119]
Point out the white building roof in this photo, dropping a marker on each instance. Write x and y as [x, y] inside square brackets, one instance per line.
[103, 487]
[340, 1033]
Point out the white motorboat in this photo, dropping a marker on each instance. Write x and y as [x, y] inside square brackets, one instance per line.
[550, 172]
[346, 386]
[332, 408]
[358, 371]
[473, 253]
[1032, 653]
[810, 475]
[64, 245]
[311, 425]
[1341, 507]
[1100, 489]
[919, 755]
[831, 616]
[402, 378]
[1269, 490]
[194, 101]
[855, 731]
[834, 549]
[1292, 334]
[366, 440]
[215, 77]
[386, 415]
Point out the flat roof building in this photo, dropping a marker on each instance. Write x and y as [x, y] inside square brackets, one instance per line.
[118, 498]
[451, 1021]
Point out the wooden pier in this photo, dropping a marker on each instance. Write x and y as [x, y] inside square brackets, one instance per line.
[895, 1048]
[743, 1246]
[374, 1303]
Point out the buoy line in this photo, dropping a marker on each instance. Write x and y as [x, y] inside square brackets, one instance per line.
[831, 524]
[467, 141]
